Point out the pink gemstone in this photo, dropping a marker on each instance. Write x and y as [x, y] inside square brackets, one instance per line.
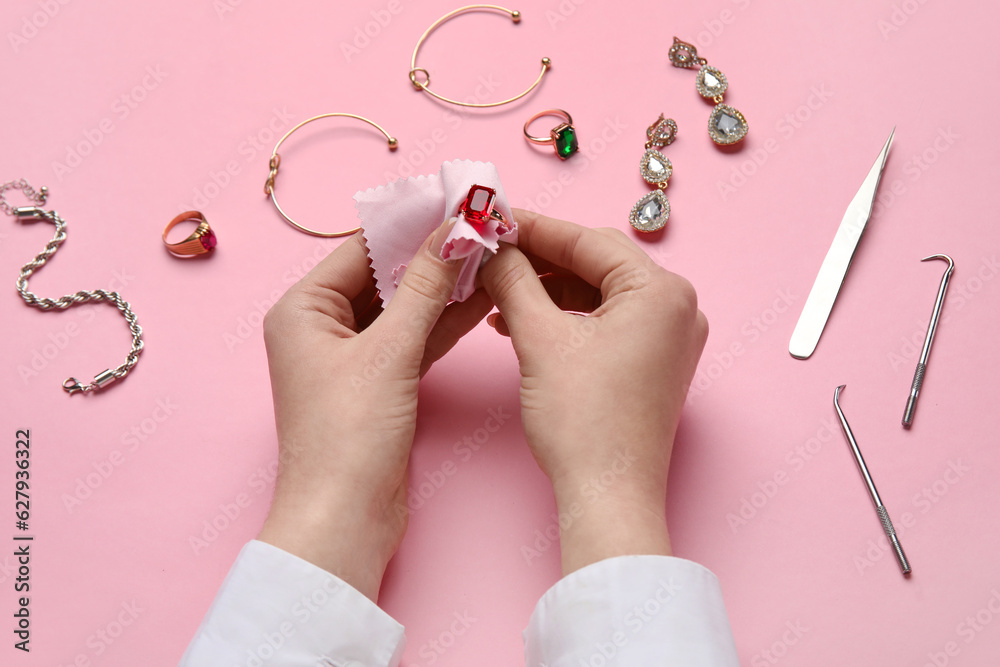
[208, 241]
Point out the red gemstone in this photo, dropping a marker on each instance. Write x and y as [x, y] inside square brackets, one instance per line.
[208, 241]
[478, 206]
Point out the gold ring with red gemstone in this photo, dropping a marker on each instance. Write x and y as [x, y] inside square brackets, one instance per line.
[202, 240]
[562, 137]
[478, 207]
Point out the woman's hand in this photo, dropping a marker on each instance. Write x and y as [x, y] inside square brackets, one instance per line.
[345, 403]
[601, 394]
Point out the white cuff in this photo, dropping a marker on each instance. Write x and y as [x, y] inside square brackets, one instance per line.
[632, 610]
[275, 608]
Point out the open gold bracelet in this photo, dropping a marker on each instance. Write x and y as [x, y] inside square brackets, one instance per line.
[425, 84]
[275, 163]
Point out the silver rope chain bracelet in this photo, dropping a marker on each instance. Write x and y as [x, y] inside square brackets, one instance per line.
[32, 213]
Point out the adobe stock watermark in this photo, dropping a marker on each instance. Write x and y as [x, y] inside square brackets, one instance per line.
[379, 357]
[751, 331]
[563, 11]
[225, 7]
[772, 655]
[34, 23]
[922, 502]
[753, 503]
[365, 34]
[914, 169]
[714, 27]
[591, 491]
[590, 150]
[967, 630]
[296, 617]
[228, 513]
[79, 317]
[256, 143]
[121, 108]
[42, 357]
[432, 650]
[900, 15]
[582, 329]
[246, 326]
[786, 127]
[659, 254]
[634, 621]
[960, 292]
[411, 159]
[133, 441]
[105, 636]
[463, 450]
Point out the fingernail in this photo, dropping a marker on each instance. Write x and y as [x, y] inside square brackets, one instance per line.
[491, 319]
[440, 237]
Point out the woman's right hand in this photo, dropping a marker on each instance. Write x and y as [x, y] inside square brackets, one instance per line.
[601, 393]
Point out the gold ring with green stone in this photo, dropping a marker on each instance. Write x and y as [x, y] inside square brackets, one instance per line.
[562, 137]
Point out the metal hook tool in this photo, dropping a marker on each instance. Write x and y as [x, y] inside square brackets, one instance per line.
[883, 515]
[918, 375]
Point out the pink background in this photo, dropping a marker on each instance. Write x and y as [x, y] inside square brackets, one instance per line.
[821, 84]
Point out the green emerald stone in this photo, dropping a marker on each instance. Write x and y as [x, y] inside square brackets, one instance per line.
[566, 143]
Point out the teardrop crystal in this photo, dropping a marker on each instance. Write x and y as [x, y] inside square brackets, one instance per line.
[650, 213]
[711, 82]
[727, 125]
[655, 167]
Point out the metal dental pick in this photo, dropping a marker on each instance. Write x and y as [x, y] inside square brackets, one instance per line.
[883, 515]
[918, 375]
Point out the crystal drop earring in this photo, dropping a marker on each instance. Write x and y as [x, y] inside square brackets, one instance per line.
[651, 212]
[726, 125]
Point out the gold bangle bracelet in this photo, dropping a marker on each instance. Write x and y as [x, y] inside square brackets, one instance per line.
[425, 84]
[275, 163]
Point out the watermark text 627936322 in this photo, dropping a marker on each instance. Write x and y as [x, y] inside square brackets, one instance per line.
[22, 542]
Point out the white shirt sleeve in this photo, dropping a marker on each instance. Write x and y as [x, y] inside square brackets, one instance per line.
[632, 610]
[273, 603]
[638, 610]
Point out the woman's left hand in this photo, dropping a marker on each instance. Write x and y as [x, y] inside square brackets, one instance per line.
[345, 403]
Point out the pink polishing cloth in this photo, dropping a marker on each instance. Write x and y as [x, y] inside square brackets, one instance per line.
[398, 217]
